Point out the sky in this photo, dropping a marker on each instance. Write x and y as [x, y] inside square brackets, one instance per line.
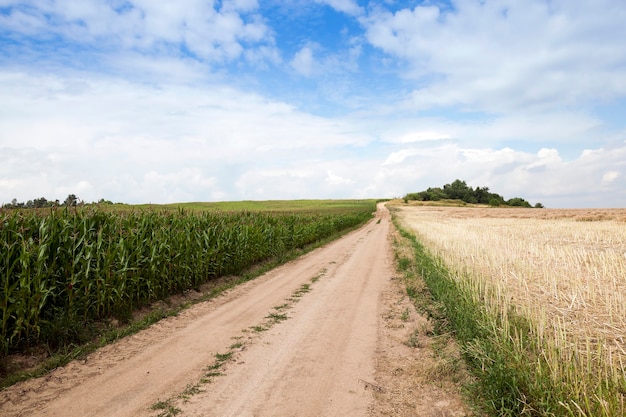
[143, 101]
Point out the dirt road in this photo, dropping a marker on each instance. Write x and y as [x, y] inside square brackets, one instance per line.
[300, 340]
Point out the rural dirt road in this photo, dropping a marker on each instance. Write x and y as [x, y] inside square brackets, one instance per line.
[309, 338]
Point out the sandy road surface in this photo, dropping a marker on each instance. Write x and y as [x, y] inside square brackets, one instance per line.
[318, 362]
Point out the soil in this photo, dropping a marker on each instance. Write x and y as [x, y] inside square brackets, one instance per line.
[324, 335]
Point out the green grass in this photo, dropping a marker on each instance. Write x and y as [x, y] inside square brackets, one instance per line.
[456, 311]
[190, 391]
[165, 408]
[254, 205]
[304, 288]
[405, 315]
[237, 345]
[259, 328]
[223, 357]
[277, 318]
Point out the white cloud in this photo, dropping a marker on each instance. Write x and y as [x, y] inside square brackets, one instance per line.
[240, 5]
[303, 62]
[285, 182]
[315, 61]
[119, 136]
[105, 138]
[334, 179]
[548, 129]
[399, 157]
[610, 176]
[422, 136]
[507, 55]
[349, 7]
[213, 34]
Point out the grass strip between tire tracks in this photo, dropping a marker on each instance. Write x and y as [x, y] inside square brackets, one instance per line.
[168, 408]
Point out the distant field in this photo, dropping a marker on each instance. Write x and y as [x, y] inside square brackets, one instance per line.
[564, 273]
[252, 205]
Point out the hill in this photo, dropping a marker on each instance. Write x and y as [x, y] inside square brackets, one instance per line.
[459, 190]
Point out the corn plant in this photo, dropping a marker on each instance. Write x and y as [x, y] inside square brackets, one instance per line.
[79, 265]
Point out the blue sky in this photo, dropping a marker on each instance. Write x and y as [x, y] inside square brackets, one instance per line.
[142, 101]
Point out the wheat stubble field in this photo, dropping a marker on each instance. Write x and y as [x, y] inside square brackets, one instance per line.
[554, 282]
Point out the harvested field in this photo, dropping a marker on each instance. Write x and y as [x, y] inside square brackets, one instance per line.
[562, 270]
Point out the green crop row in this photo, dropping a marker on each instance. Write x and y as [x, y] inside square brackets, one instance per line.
[89, 264]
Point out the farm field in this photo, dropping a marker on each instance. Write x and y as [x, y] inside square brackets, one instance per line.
[251, 205]
[550, 286]
[63, 269]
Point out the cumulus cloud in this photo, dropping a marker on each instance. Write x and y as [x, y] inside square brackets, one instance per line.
[421, 136]
[349, 7]
[240, 5]
[610, 176]
[334, 179]
[499, 56]
[314, 61]
[209, 32]
[399, 156]
[303, 62]
[556, 129]
[99, 131]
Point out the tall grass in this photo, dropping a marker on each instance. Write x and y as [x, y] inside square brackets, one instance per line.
[64, 267]
[542, 302]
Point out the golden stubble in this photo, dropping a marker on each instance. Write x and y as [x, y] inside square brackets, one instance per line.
[564, 270]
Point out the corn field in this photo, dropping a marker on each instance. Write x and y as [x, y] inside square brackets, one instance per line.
[90, 264]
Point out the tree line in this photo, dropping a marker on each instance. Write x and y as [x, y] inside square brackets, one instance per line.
[70, 201]
[459, 190]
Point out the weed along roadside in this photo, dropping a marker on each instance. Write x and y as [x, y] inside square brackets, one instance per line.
[420, 370]
[530, 354]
